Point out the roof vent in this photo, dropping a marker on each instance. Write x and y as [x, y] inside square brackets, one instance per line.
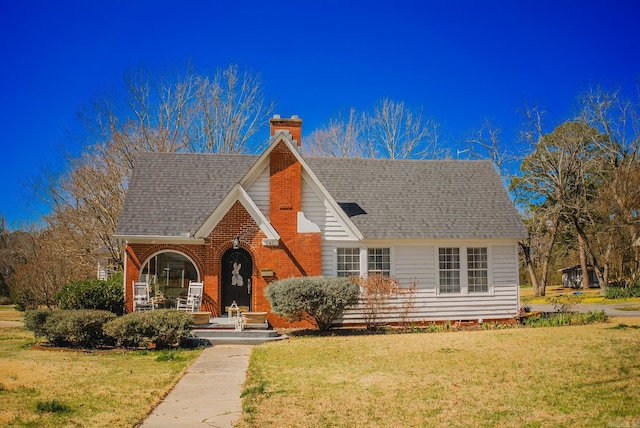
[351, 209]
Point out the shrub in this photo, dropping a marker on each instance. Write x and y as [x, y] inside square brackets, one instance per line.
[319, 300]
[93, 294]
[377, 293]
[35, 319]
[565, 318]
[614, 292]
[75, 329]
[163, 328]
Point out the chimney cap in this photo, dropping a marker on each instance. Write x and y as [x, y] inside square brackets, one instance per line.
[276, 116]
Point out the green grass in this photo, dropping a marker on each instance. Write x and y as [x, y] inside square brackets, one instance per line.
[46, 388]
[561, 376]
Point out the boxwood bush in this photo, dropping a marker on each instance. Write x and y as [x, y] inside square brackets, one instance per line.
[319, 300]
[163, 328]
[34, 320]
[73, 329]
[93, 294]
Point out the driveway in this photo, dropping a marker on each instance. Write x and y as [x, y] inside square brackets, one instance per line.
[612, 310]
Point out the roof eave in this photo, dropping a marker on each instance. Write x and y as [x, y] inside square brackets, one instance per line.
[159, 239]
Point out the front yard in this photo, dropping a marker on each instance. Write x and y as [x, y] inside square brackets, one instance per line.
[561, 376]
[47, 388]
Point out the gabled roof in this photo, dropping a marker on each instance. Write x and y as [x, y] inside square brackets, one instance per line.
[172, 195]
[422, 199]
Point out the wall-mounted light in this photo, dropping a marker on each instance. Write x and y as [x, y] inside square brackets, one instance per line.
[236, 243]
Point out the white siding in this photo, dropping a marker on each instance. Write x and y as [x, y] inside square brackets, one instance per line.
[259, 192]
[316, 210]
[420, 262]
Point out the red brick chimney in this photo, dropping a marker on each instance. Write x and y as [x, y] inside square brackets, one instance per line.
[292, 124]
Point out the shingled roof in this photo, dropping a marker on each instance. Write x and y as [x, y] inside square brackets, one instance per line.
[173, 194]
[422, 199]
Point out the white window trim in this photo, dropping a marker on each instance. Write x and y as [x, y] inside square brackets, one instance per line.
[364, 258]
[391, 254]
[335, 258]
[464, 271]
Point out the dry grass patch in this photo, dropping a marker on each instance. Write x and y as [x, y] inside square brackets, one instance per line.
[8, 313]
[56, 388]
[571, 376]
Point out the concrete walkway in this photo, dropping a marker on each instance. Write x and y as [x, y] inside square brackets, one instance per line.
[208, 395]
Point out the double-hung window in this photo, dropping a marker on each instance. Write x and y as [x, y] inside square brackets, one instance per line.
[463, 270]
[379, 261]
[449, 261]
[348, 262]
[477, 270]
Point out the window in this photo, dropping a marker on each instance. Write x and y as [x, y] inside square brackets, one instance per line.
[463, 275]
[348, 262]
[449, 260]
[379, 261]
[477, 270]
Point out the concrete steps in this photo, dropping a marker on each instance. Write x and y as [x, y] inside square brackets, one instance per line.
[220, 331]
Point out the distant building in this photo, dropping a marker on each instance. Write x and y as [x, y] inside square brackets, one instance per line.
[572, 277]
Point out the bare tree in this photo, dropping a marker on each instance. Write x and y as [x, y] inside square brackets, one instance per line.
[396, 132]
[558, 182]
[230, 110]
[614, 225]
[186, 112]
[338, 139]
[392, 130]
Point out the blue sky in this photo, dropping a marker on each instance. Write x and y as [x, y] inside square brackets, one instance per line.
[461, 61]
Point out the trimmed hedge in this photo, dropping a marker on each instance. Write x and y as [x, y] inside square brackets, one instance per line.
[319, 300]
[73, 329]
[163, 328]
[93, 294]
[35, 319]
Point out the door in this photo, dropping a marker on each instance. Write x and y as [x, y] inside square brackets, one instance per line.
[237, 267]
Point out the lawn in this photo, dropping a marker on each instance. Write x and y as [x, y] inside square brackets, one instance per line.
[590, 296]
[55, 388]
[562, 376]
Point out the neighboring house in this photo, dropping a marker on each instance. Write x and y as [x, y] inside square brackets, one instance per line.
[239, 222]
[572, 277]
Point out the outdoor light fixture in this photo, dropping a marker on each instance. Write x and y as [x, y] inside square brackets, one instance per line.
[236, 243]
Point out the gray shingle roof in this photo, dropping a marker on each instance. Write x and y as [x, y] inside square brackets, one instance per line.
[171, 193]
[174, 193]
[422, 199]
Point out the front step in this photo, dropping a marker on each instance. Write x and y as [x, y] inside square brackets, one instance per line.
[221, 332]
[225, 336]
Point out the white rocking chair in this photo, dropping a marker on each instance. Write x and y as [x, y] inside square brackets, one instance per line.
[141, 301]
[193, 301]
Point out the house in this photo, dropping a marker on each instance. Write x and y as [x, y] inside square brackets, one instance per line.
[240, 222]
[572, 277]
